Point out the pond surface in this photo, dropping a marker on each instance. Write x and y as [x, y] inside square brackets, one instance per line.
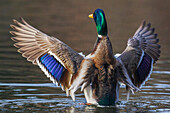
[24, 88]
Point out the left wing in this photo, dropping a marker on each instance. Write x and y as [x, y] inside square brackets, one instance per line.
[56, 59]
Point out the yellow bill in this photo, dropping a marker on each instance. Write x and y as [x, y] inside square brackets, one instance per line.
[91, 16]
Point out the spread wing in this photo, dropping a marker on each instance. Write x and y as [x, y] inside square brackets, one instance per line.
[141, 53]
[57, 60]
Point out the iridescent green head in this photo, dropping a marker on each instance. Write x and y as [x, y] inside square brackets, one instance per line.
[100, 21]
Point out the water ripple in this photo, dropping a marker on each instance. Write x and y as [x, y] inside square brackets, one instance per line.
[161, 72]
[29, 85]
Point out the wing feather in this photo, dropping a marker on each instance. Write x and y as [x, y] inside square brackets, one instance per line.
[23, 39]
[21, 34]
[22, 30]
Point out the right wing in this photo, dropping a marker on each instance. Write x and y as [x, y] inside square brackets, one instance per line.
[141, 53]
[57, 60]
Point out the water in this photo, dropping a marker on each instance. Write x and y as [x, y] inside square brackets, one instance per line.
[24, 88]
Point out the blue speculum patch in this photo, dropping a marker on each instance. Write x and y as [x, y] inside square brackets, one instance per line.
[144, 68]
[52, 65]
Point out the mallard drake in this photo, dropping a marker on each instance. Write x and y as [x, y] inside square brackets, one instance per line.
[100, 73]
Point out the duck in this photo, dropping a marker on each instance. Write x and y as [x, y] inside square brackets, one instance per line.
[98, 74]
